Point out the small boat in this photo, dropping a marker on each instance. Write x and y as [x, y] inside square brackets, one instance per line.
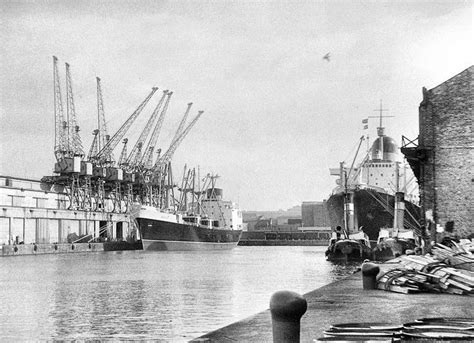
[392, 243]
[355, 247]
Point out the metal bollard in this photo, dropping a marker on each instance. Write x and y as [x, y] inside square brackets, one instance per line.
[369, 275]
[287, 308]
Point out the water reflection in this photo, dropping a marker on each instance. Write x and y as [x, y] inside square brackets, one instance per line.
[341, 269]
[165, 296]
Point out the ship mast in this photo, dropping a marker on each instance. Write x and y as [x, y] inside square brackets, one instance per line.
[380, 128]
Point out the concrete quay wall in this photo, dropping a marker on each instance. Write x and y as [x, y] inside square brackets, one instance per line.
[40, 249]
[346, 301]
[281, 242]
[67, 248]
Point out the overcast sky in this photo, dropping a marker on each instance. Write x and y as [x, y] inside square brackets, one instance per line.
[277, 115]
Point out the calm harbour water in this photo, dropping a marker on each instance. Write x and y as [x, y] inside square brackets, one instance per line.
[169, 296]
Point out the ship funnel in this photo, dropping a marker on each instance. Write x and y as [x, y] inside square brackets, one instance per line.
[214, 193]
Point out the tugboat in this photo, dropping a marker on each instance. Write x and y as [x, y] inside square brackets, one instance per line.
[353, 247]
[392, 244]
[396, 241]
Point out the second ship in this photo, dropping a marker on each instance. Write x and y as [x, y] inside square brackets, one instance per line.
[376, 194]
[217, 224]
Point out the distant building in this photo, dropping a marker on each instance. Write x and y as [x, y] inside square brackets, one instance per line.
[315, 214]
[280, 220]
[310, 216]
[442, 158]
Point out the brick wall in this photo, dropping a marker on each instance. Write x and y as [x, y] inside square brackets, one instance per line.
[447, 178]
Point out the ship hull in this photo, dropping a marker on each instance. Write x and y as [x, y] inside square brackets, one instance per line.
[159, 235]
[370, 211]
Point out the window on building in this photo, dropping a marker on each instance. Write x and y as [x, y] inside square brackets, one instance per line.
[17, 200]
[40, 202]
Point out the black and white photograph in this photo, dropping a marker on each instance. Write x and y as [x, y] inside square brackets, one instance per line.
[236, 170]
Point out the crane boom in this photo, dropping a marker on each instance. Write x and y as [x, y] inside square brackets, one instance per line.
[94, 146]
[135, 154]
[74, 141]
[112, 143]
[123, 155]
[147, 158]
[168, 155]
[181, 124]
[101, 123]
[60, 124]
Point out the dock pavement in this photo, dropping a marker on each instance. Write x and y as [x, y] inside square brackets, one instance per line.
[345, 301]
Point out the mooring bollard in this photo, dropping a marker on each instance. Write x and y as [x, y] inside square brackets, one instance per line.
[369, 275]
[287, 308]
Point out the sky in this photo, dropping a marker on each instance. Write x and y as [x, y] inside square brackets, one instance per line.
[277, 114]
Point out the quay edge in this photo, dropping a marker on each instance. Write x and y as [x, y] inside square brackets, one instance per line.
[345, 301]
[66, 248]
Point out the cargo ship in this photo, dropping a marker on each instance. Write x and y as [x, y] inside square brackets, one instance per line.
[378, 193]
[215, 224]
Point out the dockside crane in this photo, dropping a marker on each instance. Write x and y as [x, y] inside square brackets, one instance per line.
[136, 154]
[68, 146]
[60, 132]
[96, 181]
[80, 187]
